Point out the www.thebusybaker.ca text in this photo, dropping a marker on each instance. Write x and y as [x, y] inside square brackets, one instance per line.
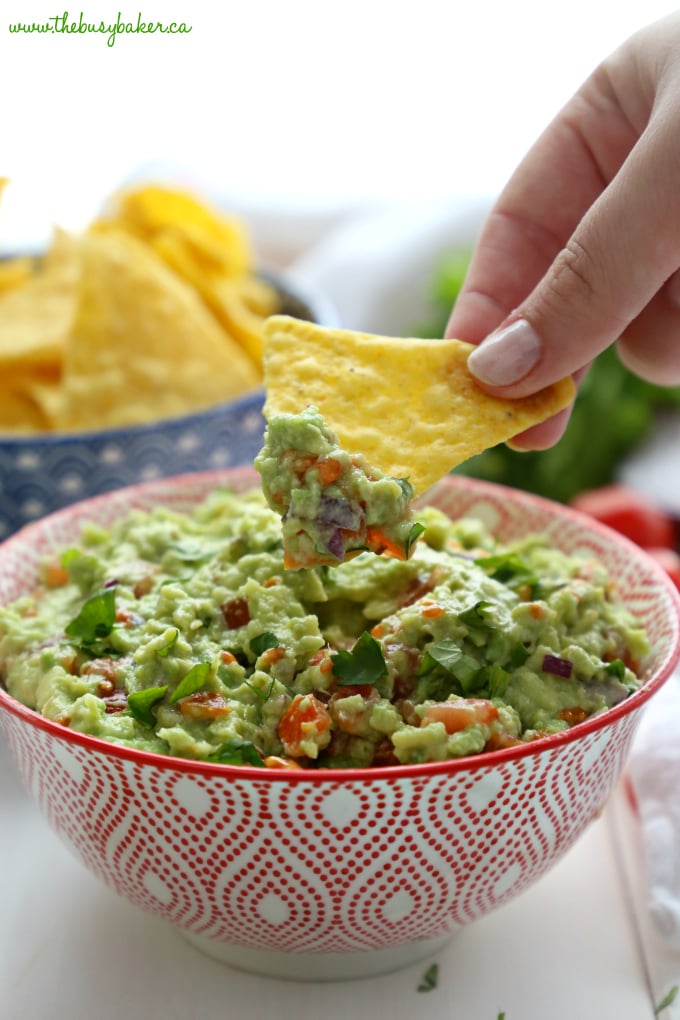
[63, 24]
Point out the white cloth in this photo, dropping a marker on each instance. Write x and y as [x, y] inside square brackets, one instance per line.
[654, 772]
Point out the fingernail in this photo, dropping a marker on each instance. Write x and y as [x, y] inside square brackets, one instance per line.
[507, 356]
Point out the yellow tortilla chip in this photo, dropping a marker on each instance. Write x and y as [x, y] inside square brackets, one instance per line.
[148, 210]
[409, 405]
[15, 271]
[22, 400]
[35, 317]
[143, 346]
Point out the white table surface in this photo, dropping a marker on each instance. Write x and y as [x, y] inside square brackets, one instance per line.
[570, 947]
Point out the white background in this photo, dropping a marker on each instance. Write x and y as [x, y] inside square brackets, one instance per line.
[302, 104]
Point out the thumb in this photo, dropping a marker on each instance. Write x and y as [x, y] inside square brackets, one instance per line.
[619, 256]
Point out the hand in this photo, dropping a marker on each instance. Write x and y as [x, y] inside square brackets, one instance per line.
[582, 248]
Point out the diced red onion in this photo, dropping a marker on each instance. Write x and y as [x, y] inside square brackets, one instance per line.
[338, 512]
[557, 666]
[112, 583]
[336, 545]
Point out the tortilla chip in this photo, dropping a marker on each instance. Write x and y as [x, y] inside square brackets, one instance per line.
[143, 346]
[35, 317]
[21, 408]
[15, 271]
[409, 405]
[148, 210]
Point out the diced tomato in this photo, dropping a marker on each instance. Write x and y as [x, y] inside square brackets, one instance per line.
[304, 719]
[236, 613]
[275, 761]
[329, 470]
[458, 715]
[204, 705]
[378, 542]
[630, 513]
[55, 576]
[115, 701]
[302, 463]
[669, 560]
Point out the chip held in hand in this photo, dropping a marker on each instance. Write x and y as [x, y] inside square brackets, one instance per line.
[409, 405]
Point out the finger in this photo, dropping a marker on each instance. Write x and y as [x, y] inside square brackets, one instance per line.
[547, 433]
[619, 256]
[538, 211]
[650, 346]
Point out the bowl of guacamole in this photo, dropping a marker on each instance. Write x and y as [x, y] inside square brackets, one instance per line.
[341, 763]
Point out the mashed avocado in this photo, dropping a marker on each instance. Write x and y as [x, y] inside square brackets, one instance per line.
[333, 504]
[183, 634]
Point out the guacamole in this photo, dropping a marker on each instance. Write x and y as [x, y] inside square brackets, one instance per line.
[333, 504]
[184, 634]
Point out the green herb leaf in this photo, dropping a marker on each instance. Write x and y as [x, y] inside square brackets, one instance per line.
[406, 488]
[95, 619]
[191, 554]
[616, 668]
[260, 694]
[508, 568]
[165, 649]
[668, 1000]
[262, 642]
[429, 979]
[476, 616]
[237, 752]
[495, 679]
[365, 664]
[451, 657]
[518, 655]
[412, 537]
[192, 682]
[141, 702]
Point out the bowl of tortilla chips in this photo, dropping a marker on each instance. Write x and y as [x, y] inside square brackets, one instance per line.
[132, 351]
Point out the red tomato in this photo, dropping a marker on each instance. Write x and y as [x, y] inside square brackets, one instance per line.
[630, 513]
[669, 560]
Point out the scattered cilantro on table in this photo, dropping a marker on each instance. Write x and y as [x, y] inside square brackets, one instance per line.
[429, 979]
[668, 1000]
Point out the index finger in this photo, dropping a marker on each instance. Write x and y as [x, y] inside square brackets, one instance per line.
[562, 175]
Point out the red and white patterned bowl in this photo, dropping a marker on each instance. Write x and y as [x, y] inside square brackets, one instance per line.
[332, 873]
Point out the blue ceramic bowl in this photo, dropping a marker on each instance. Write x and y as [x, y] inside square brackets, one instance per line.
[44, 472]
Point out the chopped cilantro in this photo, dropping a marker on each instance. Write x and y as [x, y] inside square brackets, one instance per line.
[95, 619]
[192, 682]
[518, 655]
[141, 702]
[451, 657]
[261, 694]
[668, 1000]
[495, 679]
[508, 568]
[365, 664]
[616, 668]
[264, 641]
[237, 752]
[165, 649]
[476, 616]
[412, 537]
[429, 979]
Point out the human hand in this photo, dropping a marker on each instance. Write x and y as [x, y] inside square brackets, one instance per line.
[582, 248]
